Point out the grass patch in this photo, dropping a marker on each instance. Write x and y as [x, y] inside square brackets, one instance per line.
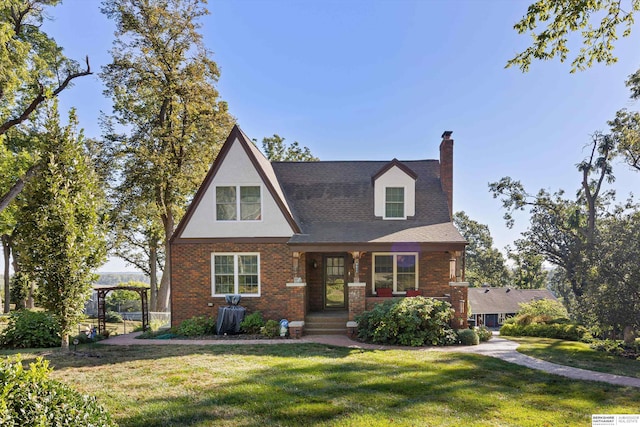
[319, 385]
[576, 354]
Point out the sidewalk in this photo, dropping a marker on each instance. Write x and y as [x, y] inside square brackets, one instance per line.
[497, 347]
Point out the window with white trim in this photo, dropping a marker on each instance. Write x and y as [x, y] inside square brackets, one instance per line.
[398, 271]
[246, 207]
[394, 202]
[235, 273]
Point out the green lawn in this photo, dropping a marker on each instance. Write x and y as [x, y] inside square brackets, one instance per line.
[318, 385]
[576, 354]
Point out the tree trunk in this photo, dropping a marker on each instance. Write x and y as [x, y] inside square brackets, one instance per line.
[629, 335]
[6, 248]
[153, 275]
[13, 192]
[165, 284]
[65, 341]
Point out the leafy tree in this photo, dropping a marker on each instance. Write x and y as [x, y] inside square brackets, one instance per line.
[483, 262]
[527, 271]
[277, 151]
[598, 23]
[162, 82]
[33, 70]
[60, 234]
[614, 303]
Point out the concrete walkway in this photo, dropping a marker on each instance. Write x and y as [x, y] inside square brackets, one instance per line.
[496, 347]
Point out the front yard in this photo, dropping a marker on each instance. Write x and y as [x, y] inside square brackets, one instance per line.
[318, 385]
[576, 354]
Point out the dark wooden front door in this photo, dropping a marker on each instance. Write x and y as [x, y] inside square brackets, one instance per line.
[335, 283]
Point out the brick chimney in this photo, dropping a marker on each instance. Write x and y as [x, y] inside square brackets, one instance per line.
[446, 167]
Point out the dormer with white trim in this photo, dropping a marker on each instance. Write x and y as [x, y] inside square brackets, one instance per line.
[394, 191]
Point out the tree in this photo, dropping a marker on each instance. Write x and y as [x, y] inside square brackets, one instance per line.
[277, 151]
[527, 272]
[598, 23]
[483, 262]
[614, 302]
[60, 234]
[33, 70]
[162, 82]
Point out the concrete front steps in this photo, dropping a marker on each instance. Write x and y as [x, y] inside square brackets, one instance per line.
[326, 323]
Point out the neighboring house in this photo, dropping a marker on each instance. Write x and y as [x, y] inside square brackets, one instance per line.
[302, 240]
[491, 306]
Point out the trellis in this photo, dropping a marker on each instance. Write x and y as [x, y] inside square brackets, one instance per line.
[102, 294]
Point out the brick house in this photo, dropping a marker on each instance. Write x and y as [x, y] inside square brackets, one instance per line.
[317, 243]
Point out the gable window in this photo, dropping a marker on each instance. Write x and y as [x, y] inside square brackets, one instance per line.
[246, 207]
[236, 274]
[394, 202]
[398, 271]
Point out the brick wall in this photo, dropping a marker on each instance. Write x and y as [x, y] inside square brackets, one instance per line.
[191, 280]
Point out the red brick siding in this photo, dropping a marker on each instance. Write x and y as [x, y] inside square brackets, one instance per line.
[191, 280]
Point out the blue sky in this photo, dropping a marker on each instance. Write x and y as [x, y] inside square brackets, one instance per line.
[383, 79]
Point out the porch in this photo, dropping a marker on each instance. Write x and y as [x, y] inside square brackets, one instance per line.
[332, 287]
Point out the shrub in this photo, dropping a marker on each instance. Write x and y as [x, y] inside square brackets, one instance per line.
[484, 333]
[271, 329]
[567, 331]
[197, 326]
[31, 329]
[30, 398]
[252, 323]
[413, 321]
[617, 348]
[113, 317]
[468, 337]
[543, 308]
[123, 300]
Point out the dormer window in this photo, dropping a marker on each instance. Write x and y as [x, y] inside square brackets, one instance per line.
[230, 207]
[394, 191]
[394, 202]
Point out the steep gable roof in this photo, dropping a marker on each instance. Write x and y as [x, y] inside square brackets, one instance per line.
[333, 202]
[263, 167]
[394, 163]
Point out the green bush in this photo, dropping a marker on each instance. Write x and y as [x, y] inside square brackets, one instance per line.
[271, 328]
[567, 331]
[29, 398]
[113, 317]
[413, 321]
[197, 326]
[468, 337]
[617, 348]
[252, 323]
[31, 329]
[484, 333]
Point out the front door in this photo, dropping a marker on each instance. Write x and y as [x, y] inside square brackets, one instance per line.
[334, 282]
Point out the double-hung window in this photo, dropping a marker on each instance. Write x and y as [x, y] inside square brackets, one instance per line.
[241, 202]
[398, 271]
[235, 273]
[394, 202]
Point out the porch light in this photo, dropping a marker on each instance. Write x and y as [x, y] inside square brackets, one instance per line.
[314, 263]
[462, 306]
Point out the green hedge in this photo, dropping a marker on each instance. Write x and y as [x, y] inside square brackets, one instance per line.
[197, 326]
[29, 398]
[570, 331]
[413, 321]
[31, 329]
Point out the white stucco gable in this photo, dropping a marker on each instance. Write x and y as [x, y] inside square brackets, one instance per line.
[395, 176]
[237, 170]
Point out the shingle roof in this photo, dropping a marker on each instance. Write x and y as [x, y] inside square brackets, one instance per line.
[333, 202]
[503, 300]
